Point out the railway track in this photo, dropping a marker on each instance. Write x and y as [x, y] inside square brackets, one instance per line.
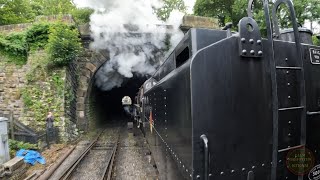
[96, 160]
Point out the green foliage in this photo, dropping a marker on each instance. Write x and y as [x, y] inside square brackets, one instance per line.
[37, 35]
[234, 10]
[14, 46]
[22, 11]
[63, 45]
[17, 145]
[15, 11]
[82, 15]
[61, 41]
[45, 95]
[55, 7]
[169, 5]
[316, 41]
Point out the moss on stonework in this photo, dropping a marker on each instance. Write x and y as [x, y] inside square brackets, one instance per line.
[45, 90]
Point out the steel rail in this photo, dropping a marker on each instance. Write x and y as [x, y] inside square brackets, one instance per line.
[67, 172]
[108, 169]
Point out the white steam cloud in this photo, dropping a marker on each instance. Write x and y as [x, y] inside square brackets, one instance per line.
[133, 35]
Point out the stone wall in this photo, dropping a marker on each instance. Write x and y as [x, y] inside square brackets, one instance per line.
[12, 78]
[21, 27]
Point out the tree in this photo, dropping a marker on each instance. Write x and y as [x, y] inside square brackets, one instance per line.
[168, 6]
[15, 11]
[53, 7]
[234, 10]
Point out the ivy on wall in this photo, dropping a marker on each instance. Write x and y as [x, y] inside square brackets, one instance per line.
[45, 88]
[60, 40]
[47, 48]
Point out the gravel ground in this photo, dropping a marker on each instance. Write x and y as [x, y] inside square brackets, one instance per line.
[93, 165]
[132, 160]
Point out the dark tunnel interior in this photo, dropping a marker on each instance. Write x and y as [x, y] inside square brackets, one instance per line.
[107, 105]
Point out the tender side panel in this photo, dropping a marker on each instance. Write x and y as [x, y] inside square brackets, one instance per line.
[170, 104]
[232, 105]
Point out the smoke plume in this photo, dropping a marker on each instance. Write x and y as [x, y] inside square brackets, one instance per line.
[133, 35]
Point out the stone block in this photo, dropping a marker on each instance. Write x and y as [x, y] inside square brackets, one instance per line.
[13, 164]
[81, 93]
[86, 73]
[2, 80]
[2, 74]
[80, 100]
[91, 67]
[84, 80]
[189, 21]
[80, 106]
[80, 114]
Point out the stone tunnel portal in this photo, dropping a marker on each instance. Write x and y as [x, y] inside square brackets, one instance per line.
[106, 106]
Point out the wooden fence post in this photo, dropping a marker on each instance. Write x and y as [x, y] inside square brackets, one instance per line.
[11, 120]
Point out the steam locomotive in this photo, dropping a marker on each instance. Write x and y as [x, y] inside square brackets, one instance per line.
[236, 106]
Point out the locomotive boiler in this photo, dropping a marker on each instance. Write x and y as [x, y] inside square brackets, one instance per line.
[236, 106]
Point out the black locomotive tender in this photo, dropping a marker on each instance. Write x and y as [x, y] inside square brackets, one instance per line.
[232, 105]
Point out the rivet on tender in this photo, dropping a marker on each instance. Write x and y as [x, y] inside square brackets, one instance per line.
[210, 175]
[286, 59]
[244, 51]
[262, 164]
[259, 41]
[289, 97]
[289, 134]
[253, 167]
[280, 161]
[288, 84]
[251, 41]
[243, 169]
[287, 72]
[222, 173]
[243, 40]
[232, 171]
[289, 122]
[260, 53]
[252, 52]
[198, 176]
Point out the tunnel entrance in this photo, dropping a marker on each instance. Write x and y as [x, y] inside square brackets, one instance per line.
[106, 107]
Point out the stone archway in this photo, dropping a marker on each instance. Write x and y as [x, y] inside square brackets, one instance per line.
[87, 68]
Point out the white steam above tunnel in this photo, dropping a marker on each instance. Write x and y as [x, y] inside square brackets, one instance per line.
[134, 37]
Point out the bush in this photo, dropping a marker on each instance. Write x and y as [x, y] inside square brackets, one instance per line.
[37, 35]
[63, 44]
[316, 41]
[17, 145]
[14, 45]
[82, 16]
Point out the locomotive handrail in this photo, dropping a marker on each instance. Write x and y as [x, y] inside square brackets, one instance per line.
[206, 156]
[266, 14]
[293, 20]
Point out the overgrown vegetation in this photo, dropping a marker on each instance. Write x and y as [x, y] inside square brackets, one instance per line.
[82, 15]
[234, 10]
[60, 40]
[316, 40]
[63, 44]
[24, 11]
[17, 145]
[45, 87]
